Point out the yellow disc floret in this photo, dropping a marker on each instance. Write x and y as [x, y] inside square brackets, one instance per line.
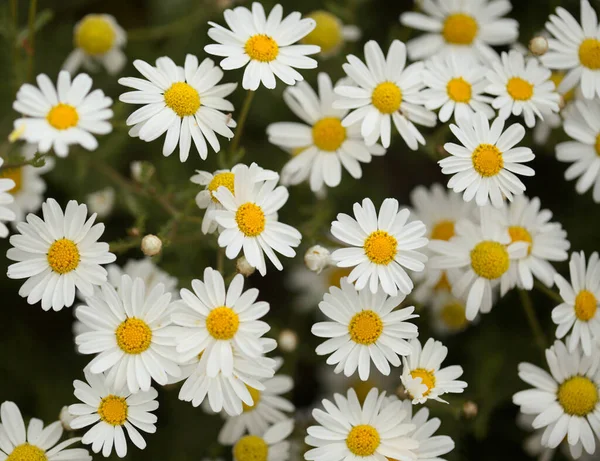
[443, 230]
[453, 316]
[427, 378]
[443, 284]
[95, 35]
[222, 323]
[519, 89]
[381, 247]
[134, 336]
[489, 259]
[365, 327]
[113, 410]
[250, 448]
[63, 116]
[255, 394]
[63, 256]
[487, 160]
[520, 234]
[597, 145]
[182, 98]
[460, 29]
[578, 396]
[250, 219]
[262, 48]
[387, 97]
[459, 90]
[16, 174]
[327, 33]
[589, 53]
[586, 305]
[221, 179]
[27, 452]
[328, 134]
[363, 440]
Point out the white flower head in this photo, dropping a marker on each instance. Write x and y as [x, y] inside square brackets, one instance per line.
[317, 258]
[270, 445]
[448, 313]
[101, 202]
[330, 34]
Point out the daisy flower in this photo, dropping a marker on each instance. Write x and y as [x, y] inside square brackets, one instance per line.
[468, 28]
[101, 202]
[448, 314]
[456, 87]
[146, 270]
[57, 254]
[7, 213]
[329, 34]
[348, 430]
[264, 44]
[98, 40]
[484, 167]
[37, 442]
[575, 48]
[55, 118]
[564, 401]
[385, 90]
[270, 445]
[382, 246]
[249, 221]
[112, 411]
[578, 313]
[423, 377]
[129, 331]
[186, 103]
[364, 328]
[321, 146]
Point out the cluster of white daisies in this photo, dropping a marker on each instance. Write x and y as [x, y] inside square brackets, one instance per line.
[465, 246]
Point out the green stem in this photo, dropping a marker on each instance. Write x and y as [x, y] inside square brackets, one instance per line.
[242, 121]
[124, 245]
[14, 13]
[176, 27]
[31, 38]
[534, 324]
[553, 295]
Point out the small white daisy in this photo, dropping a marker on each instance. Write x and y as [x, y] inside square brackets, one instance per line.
[146, 270]
[364, 328]
[98, 40]
[268, 446]
[382, 246]
[7, 199]
[185, 102]
[485, 166]
[330, 34]
[423, 377]
[36, 442]
[112, 411]
[448, 314]
[264, 44]
[385, 91]
[55, 118]
[101, 202]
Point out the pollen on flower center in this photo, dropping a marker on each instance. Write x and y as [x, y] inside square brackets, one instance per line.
[520, 234]
[489, 259]
[251, 448]
[387, 97]
[27, 452]
[336, 274]
[63, 116]
[578, 396]
[222, 179]
[16, 174]
[459, 90]
[487, 160]
[250, 219]
[113, 410]
[443, 284]
[443, 230]
[63, 256]
[365, 327]
[381, 247]
[460, 29]
[427, 378]
[182, 98]
[453, 315]
[363, 440]
[255, 394]
[222, 323]
[95, 35]
[519, 89]
[134, 336]
[589, 53]
[328, 134]
[586, 305]
[262, 48]
[327, 33]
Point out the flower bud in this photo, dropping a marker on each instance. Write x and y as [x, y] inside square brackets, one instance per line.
[288, 340]
[538, 45]
[317, 258]
[243, 267]
[470, 409]
[66, 418]
[101, 202]
[151, 245]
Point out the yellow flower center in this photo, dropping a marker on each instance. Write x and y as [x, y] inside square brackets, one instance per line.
[250, 219]
[487, 160]
[586, 305]
[27, 452]
[578, 396]
[519, 89]
[63, 256]
[336, 274]
[221, 179]
[460, 29]
[453, 316]
[63, 116]
[183, 99]
[222, 323]
[557, 78]
[520, 234]
[443, 283]
[95, 35]
[365, 327]
[427, 378]
[387, 97]
[381, 247]
[328, 32]
[459, 90]
[250, 448]
[589, 53]
[363, 440]
[597, 145]
[443, 230]
[489, 259]
[113, 410]
[133, 336]
[16, 174]
[261, 48]
[328, 134]
[255, 398]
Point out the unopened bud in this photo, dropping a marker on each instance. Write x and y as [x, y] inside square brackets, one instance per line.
[66, 418]
[317, 258]
[288, 340]
[142, 171]
[133, 231]
[538, 45]
[470, 409]
[151, 245]
[101, 202]
[243, 267]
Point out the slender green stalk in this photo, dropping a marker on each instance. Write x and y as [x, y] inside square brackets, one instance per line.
[31, 38]
[553, 295]
[14, 14]
[534, 324]
[242, 121]
[177, 27]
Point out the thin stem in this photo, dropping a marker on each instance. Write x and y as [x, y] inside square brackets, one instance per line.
[553, 295]
[31, 38]
[242, 121]
[534, 324]
[124, 245]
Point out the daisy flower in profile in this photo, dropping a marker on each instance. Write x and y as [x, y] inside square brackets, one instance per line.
[270, 445]
[423, 377]
[264, 44]
[186, 103]
[58, 254]
[98, 40]
[375, 430]
[146, 270]
[55, 118]
[330, 34]
[363, 327]
[112, 411]
[485, 166]
[385, 91]
[382, 246]
[321, 147]
[37, 442]
[564, 401]
[249, 221]
[7, 184]
[581, 299]
[468, 28]
[129, 331]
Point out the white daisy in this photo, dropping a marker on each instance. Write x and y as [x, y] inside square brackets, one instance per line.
[385, 90]
[101, 202]
[145, 269]
[55, 118]
[269, 446]
[423, 377]
[484, 167]
[578, 313]
[57, 254]
[35, 442]
[112, 411]
[249, 221]
[364, 328]
[129, 331]
[467, 28]
[330, 34]
[448, 314]
[7, 213]
[265, 45]
[185, 102]
[382, 246]
[98, 40]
